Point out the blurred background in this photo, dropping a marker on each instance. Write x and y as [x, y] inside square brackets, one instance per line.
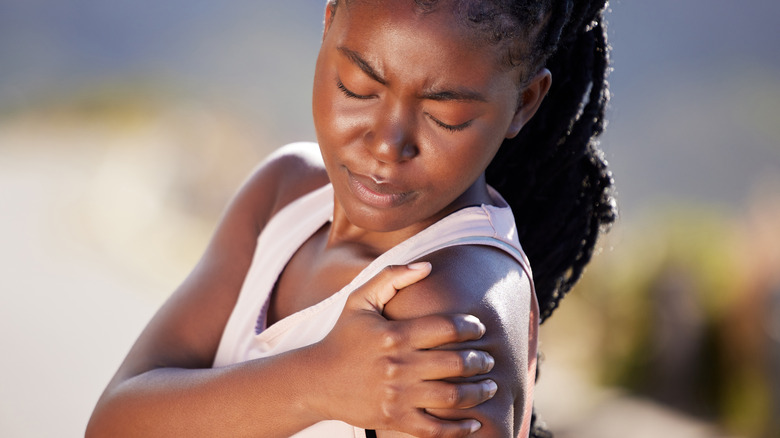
[125, 126]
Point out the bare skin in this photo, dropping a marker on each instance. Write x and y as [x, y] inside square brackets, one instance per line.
[166, 386]
[404, 143]
[409, 110]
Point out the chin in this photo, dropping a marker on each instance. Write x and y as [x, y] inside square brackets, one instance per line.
[377, 222]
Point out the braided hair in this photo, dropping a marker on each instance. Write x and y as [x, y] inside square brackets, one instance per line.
[552, 173]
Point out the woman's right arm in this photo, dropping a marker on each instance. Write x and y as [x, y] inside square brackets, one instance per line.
[166, 386]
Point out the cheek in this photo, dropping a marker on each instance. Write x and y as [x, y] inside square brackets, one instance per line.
[319, 105]
[464, 164]
[322, 99]
[336, 119]
[454, 166]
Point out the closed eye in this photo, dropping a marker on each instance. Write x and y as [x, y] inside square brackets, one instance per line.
[347, 92]
[451, 128]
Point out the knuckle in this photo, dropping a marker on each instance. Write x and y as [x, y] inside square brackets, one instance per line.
[391, 395]
[451, 329]
[392, 338]
[383, 276]
[453, 395]
[457, 363]
[389, 270]
[387, 414]
[389, 407]
[390, 369]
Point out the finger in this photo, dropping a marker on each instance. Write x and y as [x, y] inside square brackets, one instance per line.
[403, 276]
[425, 425]
[437, 394]
[436, 330]
[445, 364]
[382, 288]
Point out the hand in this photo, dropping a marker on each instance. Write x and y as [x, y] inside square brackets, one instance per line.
[380, 374]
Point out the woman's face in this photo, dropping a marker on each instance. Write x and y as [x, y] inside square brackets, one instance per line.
[409, 111]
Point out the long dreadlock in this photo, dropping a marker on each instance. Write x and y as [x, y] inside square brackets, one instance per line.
[552, 173]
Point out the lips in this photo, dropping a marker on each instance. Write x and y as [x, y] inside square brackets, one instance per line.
[374, 193]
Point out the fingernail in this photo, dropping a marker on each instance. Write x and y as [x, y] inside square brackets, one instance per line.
[475, 426]
[471, 319]
[482, 329]
[419, 266]
[492, 387]
[490, 362]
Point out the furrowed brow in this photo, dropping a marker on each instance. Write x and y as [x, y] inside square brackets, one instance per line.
[463, 94]
[362, 64]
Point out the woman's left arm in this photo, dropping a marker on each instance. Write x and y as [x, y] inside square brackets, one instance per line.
[491, 285]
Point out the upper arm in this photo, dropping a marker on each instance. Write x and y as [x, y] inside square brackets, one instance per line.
[186, 331]
[491, 285]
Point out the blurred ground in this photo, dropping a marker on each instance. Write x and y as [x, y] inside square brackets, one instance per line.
[98, 228]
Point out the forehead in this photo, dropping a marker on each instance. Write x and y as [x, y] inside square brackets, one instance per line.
[402, 30]
[442, 12]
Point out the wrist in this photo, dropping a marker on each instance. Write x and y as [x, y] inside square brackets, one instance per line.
[312, 400]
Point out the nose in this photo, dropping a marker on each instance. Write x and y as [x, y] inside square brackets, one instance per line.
[391, 138]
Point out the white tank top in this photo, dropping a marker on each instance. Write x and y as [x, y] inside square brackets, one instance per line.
[246, 336]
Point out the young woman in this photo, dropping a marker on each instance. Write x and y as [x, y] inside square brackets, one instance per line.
[336, 297]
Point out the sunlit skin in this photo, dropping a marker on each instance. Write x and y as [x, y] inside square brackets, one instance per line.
[409, 110]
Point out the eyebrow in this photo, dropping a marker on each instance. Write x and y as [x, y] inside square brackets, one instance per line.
[463, 94]
[362, 64]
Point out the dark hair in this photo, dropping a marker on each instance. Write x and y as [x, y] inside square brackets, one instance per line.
[553, 174]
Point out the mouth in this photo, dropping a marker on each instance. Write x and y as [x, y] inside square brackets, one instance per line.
[375, 193]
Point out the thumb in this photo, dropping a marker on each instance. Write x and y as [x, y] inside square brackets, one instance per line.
[383, 287]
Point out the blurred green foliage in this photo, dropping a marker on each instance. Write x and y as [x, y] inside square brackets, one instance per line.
[681, 305]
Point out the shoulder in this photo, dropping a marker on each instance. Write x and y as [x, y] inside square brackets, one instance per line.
[466, 279]
[303, 157]
[194, 318]
[492, 285]
[285, 175]
[481, 280]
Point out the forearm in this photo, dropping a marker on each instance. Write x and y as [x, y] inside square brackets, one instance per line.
[269, 397]
[367, 372]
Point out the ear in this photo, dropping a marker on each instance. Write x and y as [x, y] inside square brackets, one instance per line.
[330, 12]
[530, 99]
